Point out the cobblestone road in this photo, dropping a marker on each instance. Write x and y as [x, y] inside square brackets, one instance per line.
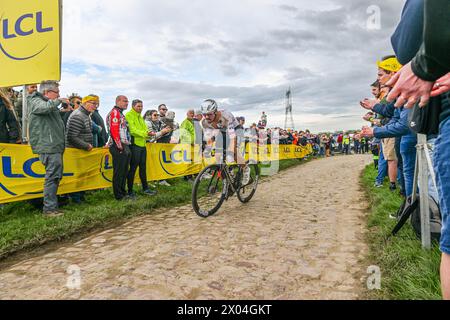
[302, 237]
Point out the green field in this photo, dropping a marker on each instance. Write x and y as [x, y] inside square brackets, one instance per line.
[408, 272]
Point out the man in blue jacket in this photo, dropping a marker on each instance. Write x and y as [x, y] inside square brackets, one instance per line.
[398, 127]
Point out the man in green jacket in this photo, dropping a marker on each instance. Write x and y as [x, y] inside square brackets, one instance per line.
[187, 135]
[139, 135]
[47, 136]
[187, 129]
[428, 75]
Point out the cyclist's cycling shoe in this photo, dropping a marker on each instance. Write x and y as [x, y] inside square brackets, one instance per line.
[207, 175]
[246, 176]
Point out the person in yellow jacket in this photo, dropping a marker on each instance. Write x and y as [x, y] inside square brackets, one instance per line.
[346, 144]
[187, 134]
[139, 135]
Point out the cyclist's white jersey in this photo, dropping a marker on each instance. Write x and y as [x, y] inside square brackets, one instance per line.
[226, 123]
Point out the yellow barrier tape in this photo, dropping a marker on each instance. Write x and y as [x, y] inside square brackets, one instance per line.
[22, 174]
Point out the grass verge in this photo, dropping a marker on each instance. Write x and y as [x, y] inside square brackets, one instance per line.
[23, 227]
[408, 271]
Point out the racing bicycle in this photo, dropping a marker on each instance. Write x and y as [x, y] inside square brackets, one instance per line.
[218, 183]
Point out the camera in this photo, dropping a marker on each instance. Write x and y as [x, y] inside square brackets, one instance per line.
[66, 106]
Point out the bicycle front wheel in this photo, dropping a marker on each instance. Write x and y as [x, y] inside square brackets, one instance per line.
[209, 191]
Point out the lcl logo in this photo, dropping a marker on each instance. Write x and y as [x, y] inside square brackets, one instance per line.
[15, 29]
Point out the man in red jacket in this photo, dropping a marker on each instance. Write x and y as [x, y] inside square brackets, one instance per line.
[119, 146]
[340, 141]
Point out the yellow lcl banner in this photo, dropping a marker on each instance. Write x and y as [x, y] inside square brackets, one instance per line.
[30, 41]
[22, 175]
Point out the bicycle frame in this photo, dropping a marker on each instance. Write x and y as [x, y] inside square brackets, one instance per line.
[231, 182]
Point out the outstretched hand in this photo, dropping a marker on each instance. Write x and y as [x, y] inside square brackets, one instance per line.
[368, 104]
[409, 89]
[368, 116]
[367, 132]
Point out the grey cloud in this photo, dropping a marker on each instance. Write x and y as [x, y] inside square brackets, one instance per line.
[191, 94]
[319, 95]
[297, 73]
[336, 18]
[185, 49]
[230, 71]
[335, 41]
[290, 39]
[245, 50]
[289, 8]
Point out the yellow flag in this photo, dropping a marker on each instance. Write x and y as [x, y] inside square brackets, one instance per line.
[30, 41]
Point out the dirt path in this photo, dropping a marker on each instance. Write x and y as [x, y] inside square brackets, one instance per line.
[300, 238]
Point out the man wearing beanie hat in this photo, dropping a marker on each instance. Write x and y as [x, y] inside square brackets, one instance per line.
[79, 132]
[79, 125]
[387, 68]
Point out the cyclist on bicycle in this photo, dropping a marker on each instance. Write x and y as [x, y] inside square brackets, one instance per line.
[221, 122]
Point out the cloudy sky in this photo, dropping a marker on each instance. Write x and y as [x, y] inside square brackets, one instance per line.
[245, 54]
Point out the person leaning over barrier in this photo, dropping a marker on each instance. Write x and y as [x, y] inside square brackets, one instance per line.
[139, 135]
[119, 146]
[79, 132]
[47, 139]
[428, 75]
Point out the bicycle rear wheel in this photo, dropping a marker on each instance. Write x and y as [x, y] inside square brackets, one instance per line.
[209, 191]
[246, 192]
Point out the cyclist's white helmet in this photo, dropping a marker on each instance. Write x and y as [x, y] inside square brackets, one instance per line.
[209, 106]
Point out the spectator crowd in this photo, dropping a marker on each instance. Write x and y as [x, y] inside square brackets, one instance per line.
[57, 123]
